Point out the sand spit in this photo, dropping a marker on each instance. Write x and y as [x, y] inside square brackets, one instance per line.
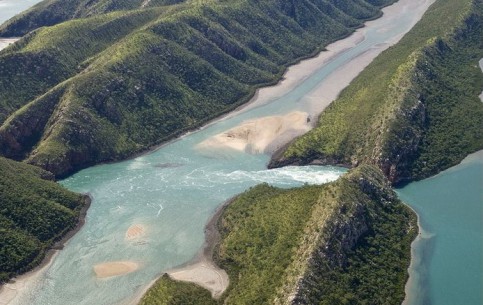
[204, 274]
[262, 135]
[5, 42]
[111, 269]
[135, 231]
[202, 270]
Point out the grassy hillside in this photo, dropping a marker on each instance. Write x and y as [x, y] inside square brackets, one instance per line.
[415, 110]
[101, 88]
[52, 12]
[346, 242]
[35, 212]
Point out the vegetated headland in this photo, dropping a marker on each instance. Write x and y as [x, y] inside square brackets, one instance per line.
[415, 110]
[418, 101]
[342, 241]
[36, 215]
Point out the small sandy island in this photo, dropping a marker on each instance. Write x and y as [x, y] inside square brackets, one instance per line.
[135, 231]
[262, 135]
[110, 269]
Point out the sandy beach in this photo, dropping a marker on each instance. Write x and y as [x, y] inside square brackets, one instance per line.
[5, 42]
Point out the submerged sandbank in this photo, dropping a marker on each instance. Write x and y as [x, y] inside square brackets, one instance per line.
[135, 231]
[110, 269]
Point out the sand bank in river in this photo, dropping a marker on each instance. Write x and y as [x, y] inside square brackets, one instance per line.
[110, 269]
[135, 231]
[262, 135]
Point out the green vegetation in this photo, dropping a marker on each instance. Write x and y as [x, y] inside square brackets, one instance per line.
[347, 242]
[168, 292]
[52, 12]
[35, 212]
[415, 110]
[102, 88]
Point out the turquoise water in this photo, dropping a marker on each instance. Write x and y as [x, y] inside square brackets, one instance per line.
[449, 264]
[173, 191]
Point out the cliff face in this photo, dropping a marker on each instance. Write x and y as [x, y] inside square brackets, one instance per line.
[415, 110]
[343, 255]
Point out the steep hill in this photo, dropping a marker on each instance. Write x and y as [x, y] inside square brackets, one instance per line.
[415, 110]
[52, 12]
[347, 242]
[35, 212]
[97, 89]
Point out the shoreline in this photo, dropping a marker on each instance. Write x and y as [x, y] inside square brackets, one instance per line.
[294, 75]
[5, 42]
[291, 78]
[202, 260]
[415, 277]
[296, 72]
[8, 290]
[421, 245]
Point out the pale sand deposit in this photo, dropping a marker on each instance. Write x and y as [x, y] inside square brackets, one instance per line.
[135, 231]
[110, 269]
[336, 81]
[262, 135]
[204, 274]
[5, 42]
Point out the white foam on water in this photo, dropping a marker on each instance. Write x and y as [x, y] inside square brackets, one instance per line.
[285, 176]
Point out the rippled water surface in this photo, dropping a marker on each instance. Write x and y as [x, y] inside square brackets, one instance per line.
[171, 193]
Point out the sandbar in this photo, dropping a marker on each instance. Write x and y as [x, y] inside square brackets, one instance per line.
[110, 269]
[204, 274]
[261, 135]
[135, 231]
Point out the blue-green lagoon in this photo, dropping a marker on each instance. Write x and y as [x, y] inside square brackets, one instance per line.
[447, 268]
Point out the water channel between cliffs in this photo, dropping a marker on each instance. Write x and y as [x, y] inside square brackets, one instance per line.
[148, 213]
